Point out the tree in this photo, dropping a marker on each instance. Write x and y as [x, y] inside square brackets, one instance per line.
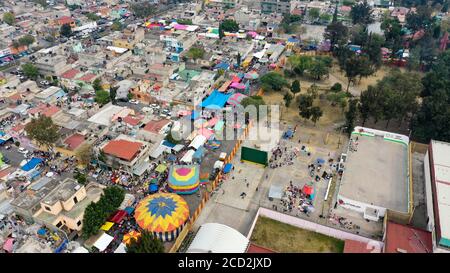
[30, 71]
[221, 32]
[229, 25]
[43, 131]
[350, 116]
[145, 243]
[273, 81]
[96, 214]
[304, 105]
[80, 177]
[196, 53]
[314, 13]
[97, 84]
[116, 26]
[26, 40]
[143, 9]
[337, 33]
[421, 19]
[238, 59]
[361, 13]
[295, 87]
[92, 16]
[337, 87]
[357, 65]
[65, 30]
[256, 101]
[316, 114]
[287, 99]
[102, 97]
[84, 154]
[318, 69]
[393, 34]
[113, 93]
[9, 18]
[313, 91]
[373, 49]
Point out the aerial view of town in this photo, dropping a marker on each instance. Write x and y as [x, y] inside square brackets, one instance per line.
[224, 126]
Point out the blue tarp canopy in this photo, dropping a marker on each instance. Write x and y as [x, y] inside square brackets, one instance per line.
[42, 232]
[288, 134]
[129, 210]
[31, 164]
[199, 153]
[222, 65]
[215, 100]
[227, 168]
[153, 188]
[195, 115]
[320, 161]
[168, 144]
[293, 40]
[2, 141]
[172, 157]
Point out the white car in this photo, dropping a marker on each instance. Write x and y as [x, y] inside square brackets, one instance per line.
[22, 150]
[134, 101]
[44, 82]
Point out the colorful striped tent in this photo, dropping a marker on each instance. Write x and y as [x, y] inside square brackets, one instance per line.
[184, 179]
[163, 214]
[129, 236]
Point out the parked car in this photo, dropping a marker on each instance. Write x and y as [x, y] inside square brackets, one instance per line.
[134, 101]
[22, 150]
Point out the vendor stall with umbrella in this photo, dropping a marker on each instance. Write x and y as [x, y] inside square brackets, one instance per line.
[163, 214]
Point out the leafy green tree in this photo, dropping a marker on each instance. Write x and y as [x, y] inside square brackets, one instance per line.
[337, 87]
[273, 81]
[313, 91]
[316, 114]
[143, 9]
[325, 17]
[314, 13]
[196, 53]
[256, 101]
[113, 93]
[30, 71]
[102, 97]
[116, 26]
[295, 87]
[229, 25]
[184, 21]
[350, 116]
[84, 154]
[80, 177]
[361, 13]
[92, 16]
[304, 105]
[65, 30]
[9, 18]
[337, 33]
[287, 99]
[318, 69]
[97, 84]
[43, 131]
[421, 19]
[145, 243]
[26, 40]
[393, 34]
[221, 32]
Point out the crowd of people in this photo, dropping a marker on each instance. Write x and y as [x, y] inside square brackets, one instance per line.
[283, 155]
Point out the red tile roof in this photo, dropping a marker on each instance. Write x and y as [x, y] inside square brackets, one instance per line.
[401, 238]
[19, 127]
[133, 121]
[44, 110]
[65, 20]
[70, 74]
[74, 141]
[88, 77]
[155, 126]
[352, 246]
[122, 149]
[258, 249]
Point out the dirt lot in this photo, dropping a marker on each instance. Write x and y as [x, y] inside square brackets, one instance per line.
[285, 238]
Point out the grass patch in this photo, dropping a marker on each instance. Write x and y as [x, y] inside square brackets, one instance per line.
[285, 238]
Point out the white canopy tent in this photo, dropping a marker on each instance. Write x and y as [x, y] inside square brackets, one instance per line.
[103, 242]
[80, 249]
[121, 248]
[187, 158]
[218, 238]
[198, 141]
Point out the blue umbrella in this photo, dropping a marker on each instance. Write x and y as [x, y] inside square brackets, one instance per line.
[153, 188]
[320, 161]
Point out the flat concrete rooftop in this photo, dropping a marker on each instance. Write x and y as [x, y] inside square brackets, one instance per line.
[377, 173]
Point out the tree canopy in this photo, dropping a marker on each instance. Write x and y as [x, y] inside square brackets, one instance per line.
[196, 53]
[273, 81]
[65, 30]
[30, 71]
[84, 154]
[43, 131]
[143, 9]
[145, 243]
[361, 13]
[96, 214]
[26, 40]
[92, 16]
[9, 18]
[102, 97]
[229, 25]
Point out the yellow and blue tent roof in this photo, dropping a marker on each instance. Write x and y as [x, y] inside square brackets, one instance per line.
[162, 212]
